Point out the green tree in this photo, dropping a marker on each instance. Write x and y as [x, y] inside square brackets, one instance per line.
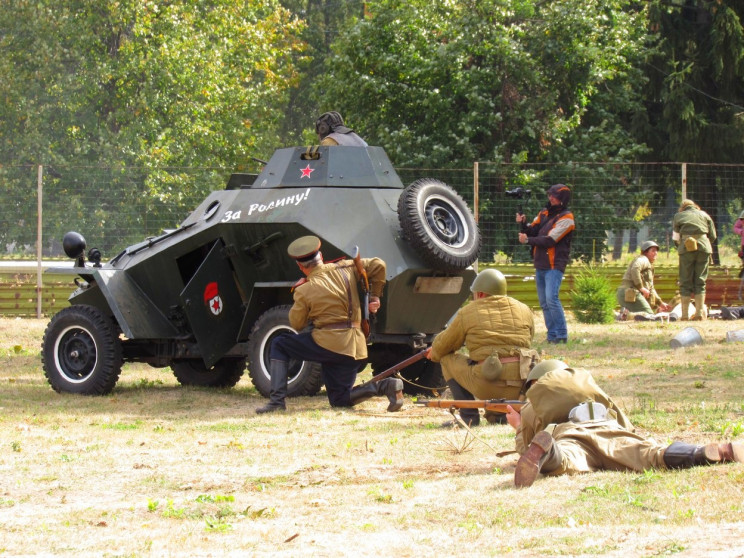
[445, 83]
[145, 84]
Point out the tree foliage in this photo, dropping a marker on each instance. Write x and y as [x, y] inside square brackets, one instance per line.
[442, 83]
[146, 84]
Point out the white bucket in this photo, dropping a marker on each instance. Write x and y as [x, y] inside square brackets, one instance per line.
[734, 336]
[685, 338]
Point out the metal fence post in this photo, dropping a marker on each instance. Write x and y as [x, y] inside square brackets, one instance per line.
[684, 181]
[476, 195]
[39, 221]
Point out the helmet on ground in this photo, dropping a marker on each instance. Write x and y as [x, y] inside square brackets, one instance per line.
[648, 244]
[490, 281]
[543, 367]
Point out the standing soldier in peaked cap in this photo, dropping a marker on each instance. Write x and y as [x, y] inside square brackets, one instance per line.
[497, 331]
[636, 292]
[329, 299]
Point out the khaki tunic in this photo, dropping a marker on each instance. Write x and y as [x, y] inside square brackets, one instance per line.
[693, 266]
[640, 274]
[586, 446]
[498, 325]
[324, 300]
[553, 396]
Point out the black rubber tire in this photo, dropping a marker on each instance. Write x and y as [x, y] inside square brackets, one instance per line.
[438, 225]
[81, 351]
[224, 374]
[424, 373]
[304, 377]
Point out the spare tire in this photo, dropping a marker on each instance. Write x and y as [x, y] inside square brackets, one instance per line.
[438, 225]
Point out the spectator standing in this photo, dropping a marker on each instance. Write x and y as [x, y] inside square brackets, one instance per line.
[549, 236]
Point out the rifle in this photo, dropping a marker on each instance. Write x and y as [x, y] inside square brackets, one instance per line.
[396, 368]
[494, 405]
[364, 283]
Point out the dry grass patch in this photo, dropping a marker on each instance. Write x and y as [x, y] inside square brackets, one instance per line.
[158, 469]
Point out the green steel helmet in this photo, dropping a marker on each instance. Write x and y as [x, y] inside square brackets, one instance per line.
[543, 367]
[648, 244]
[490, 281]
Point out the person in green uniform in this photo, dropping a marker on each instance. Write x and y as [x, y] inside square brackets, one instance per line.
[497, 331]
[569, 426]
[636, 292]
[693, 232]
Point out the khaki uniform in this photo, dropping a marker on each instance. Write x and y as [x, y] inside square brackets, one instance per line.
[329, 298]
[585, 446]
[640, 274]
[496, 325]
[693, 265]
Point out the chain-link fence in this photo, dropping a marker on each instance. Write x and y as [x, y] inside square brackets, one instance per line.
[616, 205]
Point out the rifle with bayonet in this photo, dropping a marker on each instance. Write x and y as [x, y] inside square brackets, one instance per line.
[494, 405]
[364, 284]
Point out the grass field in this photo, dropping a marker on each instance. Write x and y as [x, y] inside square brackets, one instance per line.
[156, 469]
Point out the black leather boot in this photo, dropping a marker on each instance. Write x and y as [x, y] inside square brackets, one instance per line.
[471, 417]
[363, 392]
[543, 456]
[391, 387]
[682, 456]
[278, 373]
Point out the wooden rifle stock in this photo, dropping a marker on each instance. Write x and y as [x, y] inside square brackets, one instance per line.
[364, 281]
[495, 405]
[393, 369]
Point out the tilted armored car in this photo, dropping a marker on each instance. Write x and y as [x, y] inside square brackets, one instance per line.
[207, 298]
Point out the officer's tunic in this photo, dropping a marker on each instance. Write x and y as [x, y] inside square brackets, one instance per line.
[640, 274]
[498, 325]
[329, 298]
[586, 446]
[693, 266]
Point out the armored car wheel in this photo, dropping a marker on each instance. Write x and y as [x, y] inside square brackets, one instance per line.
[224, 374]
[438, 224]
[81, 351]
[423, 376]
[304, 377]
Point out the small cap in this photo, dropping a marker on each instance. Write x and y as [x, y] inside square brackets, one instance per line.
[648, 244]
[304, 248]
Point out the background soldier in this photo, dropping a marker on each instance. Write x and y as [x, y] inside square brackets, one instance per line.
[636, 292]
[693, 232]
[497, 331]
[329, 299]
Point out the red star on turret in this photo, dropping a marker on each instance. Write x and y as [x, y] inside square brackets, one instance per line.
[306, 171]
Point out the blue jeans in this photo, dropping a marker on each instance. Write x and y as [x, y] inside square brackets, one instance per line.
[548, 286]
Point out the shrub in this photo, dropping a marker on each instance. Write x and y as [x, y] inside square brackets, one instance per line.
[592, 298]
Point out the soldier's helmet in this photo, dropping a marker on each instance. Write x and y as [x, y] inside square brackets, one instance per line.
[648, 244]
[543, 367]
[490, 281]
[330, 122]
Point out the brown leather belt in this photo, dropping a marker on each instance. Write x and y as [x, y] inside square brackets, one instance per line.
[340, 325]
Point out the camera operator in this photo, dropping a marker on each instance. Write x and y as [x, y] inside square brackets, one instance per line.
[549, 235]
